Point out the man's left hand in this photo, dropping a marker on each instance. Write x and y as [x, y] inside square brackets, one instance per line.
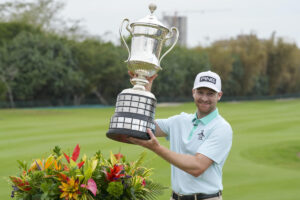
[151, 144]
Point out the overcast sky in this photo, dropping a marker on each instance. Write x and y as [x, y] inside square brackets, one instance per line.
[208, 20]
[213, 19]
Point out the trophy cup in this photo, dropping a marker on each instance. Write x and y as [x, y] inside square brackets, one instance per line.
[135, 107]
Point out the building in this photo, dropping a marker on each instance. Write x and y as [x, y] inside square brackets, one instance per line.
[180, 22]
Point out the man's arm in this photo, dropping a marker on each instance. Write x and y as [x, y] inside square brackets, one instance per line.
[192, 164]
[159, 132]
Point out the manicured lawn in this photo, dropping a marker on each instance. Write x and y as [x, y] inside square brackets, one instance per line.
[264, 163]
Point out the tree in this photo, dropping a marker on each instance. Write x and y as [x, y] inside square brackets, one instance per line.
[9, 30]
[46, 68]
[252, 55]
[103, 68]
[221, 59]
[232, 87]
[42, 14]
[283, 67]
[179, 70]
[8, 73]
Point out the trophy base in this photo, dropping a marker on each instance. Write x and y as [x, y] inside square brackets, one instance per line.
[134, 113]
[122, 135]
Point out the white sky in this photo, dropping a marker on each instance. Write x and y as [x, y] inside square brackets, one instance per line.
[220, 19]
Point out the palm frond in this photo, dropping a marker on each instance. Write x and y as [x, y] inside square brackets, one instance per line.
[154, 190]
[141, 159]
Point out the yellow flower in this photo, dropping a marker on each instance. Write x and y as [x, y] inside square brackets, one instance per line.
[36, 165]
[70, 189]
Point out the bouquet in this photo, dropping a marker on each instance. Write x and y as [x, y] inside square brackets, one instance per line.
[62, 176]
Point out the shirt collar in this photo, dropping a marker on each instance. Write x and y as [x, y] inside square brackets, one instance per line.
[208, 118]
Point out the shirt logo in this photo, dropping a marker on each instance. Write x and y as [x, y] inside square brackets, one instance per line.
[201, 135]
[208, 79]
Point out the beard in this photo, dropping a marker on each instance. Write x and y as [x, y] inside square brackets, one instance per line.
[204, 107]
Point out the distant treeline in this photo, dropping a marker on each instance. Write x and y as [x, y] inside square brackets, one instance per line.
[40, 65]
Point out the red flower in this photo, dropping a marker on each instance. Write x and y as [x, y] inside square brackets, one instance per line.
[144, 183]
[80, 164]
[20, 183]
[67, 157]
[75, 155]
[115, 173]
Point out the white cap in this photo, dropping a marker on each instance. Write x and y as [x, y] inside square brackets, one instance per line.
[208, 79]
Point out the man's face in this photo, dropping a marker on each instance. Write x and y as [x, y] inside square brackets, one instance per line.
[206, 100]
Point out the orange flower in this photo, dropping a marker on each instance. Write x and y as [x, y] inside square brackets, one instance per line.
[62, 177]
[118, 156]
[57, 166]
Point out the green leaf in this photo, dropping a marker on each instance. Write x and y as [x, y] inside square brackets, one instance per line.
[113, 159]
[45, 187]
[56, 151]
[22, 165]
[88, 173]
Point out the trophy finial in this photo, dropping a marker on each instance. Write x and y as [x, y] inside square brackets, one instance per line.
[152, 7]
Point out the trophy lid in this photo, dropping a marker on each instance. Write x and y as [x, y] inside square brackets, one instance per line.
[150, 19]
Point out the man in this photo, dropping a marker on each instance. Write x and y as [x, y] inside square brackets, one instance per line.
[199, 143]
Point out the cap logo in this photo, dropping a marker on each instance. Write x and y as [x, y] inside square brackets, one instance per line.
[208, 79]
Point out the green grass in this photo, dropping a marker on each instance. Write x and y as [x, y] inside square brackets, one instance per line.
[264, 163]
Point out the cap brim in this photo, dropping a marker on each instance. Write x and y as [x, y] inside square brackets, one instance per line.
[210, 86]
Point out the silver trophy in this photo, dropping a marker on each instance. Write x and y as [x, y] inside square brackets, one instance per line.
[135, 107]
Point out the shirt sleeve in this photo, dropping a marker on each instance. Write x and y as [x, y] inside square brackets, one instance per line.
[218, 143]
[164, 125]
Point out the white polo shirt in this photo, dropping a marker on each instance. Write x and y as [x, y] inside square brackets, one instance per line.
[210, 136]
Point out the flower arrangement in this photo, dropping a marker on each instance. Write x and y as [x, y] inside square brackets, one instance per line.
[61, 176]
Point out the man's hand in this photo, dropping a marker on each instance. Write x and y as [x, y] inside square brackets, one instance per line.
[192, 164]
[151, 144]
[150, 79]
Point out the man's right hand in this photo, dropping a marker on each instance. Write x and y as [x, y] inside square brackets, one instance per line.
[150, 79]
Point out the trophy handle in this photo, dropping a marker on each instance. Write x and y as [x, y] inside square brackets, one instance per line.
[123, 40]
[175, 41]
